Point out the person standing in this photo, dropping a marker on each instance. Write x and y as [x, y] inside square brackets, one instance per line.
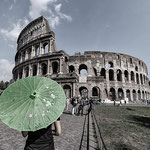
[43, 138]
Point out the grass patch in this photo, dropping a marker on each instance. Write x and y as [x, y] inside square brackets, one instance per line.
[124, 127]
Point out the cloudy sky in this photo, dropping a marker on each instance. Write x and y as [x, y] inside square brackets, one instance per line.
[106, 25]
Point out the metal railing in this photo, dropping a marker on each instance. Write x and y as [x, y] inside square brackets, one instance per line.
[100, 140]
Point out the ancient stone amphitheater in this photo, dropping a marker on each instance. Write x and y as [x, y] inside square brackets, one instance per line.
[101, 75]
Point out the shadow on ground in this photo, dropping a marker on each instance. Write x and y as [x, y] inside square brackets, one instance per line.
[140, 120]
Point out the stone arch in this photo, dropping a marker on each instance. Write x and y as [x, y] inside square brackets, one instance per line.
[34, 71]
[83, 92]
[112, 94]
[111, 75]
[132, 76]
[83, 69]
[67, 90]
[111, 65]
[55, 67]
[126, 75]
[128, 95]
[134, 95]
[26, 71]
[71, 68]
[44, 68]
[95, 71]
[120, 94]
[103, 73]
[137, 78]
[96, 92]
[119, 75]
[141, 78]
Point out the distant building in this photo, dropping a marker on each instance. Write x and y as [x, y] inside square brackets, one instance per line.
[102, 75]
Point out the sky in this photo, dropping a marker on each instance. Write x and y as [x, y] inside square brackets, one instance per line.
[121, 26]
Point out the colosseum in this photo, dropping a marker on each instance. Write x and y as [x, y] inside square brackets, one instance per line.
[95, 74]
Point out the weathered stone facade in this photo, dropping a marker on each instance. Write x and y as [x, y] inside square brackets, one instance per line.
[104, 75]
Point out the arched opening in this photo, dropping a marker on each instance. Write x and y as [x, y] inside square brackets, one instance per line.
[95, 71]
[137, 78]
[136, 68]
[37, 50]
[120, 94]
[132, 76]
[134, 95]
[111, 75]
[128, 95]
[83, 69]
[119, 75]
[103, 73]
[83, 92]
[20, 73]
[71, 68]
[126, 75]
[141, 78]
[44, 69]
[34, 70]
[139, 95]
[111, 65]
[23, 56]
[143, 95]
[67, 90]
[29, 53]
[96, 92]
[46, 47]
[27, 72]
[144, 79]
[55, 67]
[112, 94]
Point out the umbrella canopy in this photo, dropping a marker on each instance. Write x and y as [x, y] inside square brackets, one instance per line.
[32, 103]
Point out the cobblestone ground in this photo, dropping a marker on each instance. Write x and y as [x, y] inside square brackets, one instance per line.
[72, 127]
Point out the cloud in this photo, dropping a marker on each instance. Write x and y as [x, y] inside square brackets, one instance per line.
[6, 70]
[13, 31]
[51, 9]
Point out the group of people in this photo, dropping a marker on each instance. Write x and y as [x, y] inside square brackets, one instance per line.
[78, 105]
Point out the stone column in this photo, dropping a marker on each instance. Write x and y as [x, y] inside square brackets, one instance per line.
[129, 77]
[23, 72]
[123, 77]
[21, 57]
[107, 75]
[50, 46]
[48, 67]
[135, 79]
[125, 94]
[60, 64]
[26, 55]
[115, 75]
[30, 70]
[42, 51]
[38, 69]
[131, 95]
[33, 51]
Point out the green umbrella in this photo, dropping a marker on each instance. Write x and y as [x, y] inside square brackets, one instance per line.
[32, 103]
